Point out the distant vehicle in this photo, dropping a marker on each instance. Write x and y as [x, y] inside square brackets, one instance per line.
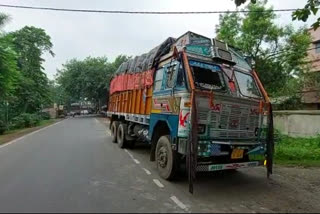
[195, 100]
[75, 109]
[103, 110]
[84, 112]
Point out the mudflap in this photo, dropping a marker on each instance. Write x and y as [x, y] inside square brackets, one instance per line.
[193, 144]
[270, 144]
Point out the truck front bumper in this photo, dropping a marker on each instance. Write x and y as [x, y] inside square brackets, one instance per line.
[218, 167]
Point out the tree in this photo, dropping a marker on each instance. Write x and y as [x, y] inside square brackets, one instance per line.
[88, 78]
[303, 14]
[32, 92]
[8, 67]
[278, 52]
[229, 32]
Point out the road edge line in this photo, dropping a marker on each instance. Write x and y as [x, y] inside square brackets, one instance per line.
[179, 203]
[158, 183]
[146, 171]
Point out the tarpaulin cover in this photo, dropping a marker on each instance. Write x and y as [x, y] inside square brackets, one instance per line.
[137, 72]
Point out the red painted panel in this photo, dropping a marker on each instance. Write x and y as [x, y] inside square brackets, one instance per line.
[126, 82]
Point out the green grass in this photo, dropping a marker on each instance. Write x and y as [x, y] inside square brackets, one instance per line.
[298, 151]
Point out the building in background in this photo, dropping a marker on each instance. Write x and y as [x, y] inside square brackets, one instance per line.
[311, 92]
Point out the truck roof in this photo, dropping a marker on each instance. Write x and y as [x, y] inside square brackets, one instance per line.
[148, 60]
[194, 44]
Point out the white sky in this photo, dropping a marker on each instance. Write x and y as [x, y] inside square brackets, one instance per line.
[78, 35]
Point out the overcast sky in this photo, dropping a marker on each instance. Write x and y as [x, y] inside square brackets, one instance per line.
[78, 35]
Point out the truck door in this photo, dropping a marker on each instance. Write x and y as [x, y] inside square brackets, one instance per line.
[167, 84]
[165, 103]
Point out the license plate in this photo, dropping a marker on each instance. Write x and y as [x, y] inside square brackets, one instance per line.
[237, 154]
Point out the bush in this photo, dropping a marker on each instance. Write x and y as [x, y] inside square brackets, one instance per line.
[34, 120]
[3, 127]
[25, 121]
[17, 122]
[45, 115]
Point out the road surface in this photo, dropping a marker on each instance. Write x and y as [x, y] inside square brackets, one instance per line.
[72, 166]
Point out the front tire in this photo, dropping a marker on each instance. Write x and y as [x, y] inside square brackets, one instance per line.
[114, 130]
[166, 158]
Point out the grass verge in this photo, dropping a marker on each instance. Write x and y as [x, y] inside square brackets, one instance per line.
[16, 133]
[298, 151]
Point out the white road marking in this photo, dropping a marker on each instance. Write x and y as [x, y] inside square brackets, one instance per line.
[129, 153]
[158, 183]
[147, 171]
[107, 130]
[136, 161]
[179, 203]
[31, 133]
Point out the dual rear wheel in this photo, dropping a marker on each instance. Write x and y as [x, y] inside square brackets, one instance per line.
[167, 159]
[119, 134]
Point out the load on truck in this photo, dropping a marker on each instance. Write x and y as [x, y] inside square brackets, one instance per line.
[196, 101]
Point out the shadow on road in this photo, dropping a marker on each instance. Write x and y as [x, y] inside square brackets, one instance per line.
[220, 180]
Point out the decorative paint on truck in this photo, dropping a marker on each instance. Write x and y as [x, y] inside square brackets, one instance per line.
[184, 116]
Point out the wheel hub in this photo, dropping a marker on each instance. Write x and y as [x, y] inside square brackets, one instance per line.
[163, 157]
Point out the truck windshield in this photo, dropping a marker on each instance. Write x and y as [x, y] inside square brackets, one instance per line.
[247, 85]
[207, 76]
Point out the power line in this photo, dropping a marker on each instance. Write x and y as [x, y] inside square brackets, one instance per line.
[142, 12]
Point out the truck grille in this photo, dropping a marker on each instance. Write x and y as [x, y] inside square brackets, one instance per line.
[232, 122]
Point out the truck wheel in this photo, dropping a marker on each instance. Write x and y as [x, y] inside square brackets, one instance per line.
[166, 158]
[121, 135]
[114, 129]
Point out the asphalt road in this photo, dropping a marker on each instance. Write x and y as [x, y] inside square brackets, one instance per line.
[72, 166]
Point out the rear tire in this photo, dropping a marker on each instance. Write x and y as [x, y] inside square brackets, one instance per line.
[121, 135]
[114, 130]
[166, 158]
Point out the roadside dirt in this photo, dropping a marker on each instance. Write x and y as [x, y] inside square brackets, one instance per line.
[294, 190]
[290, 190]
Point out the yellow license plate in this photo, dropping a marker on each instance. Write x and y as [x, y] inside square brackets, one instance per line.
[237, 154]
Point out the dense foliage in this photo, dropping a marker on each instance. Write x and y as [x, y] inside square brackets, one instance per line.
[87, 79]
[24, 87]
[278, 51]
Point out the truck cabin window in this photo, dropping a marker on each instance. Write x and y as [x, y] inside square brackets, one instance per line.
[247, 85]
[206, 76]
[170, 76]
[158, 80]
[180, 76]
